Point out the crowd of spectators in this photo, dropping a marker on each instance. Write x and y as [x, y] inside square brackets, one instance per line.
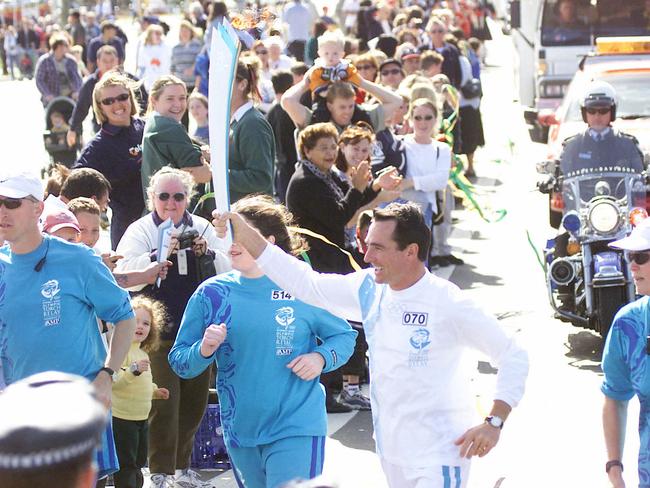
[332, 114]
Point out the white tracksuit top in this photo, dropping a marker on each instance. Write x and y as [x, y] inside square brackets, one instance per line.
[419, 390]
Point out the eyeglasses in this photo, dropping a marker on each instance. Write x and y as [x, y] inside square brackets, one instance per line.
[601, 111]
[261, 52]
[423, 117]
[111, 100]
[11, 203]
[640, 257]
[164, 196]
[394, 71]
[364, 67]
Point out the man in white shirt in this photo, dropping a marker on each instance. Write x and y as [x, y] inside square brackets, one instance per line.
[299, 20]
[417, 327]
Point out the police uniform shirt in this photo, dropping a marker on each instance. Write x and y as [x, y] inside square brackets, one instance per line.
[614, 151]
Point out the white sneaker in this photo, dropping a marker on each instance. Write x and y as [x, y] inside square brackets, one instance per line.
[191, 479]
[161, 481]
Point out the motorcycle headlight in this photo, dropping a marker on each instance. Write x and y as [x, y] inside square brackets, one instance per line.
[604, 217]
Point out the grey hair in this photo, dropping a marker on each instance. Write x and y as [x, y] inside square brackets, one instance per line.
[169, 173]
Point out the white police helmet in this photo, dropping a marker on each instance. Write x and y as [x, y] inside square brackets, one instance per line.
[599, 94]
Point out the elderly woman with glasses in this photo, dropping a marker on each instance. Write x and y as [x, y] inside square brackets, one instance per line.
[116, 150]
[173, 422]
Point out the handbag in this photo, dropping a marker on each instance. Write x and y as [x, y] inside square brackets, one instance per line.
[472, 88]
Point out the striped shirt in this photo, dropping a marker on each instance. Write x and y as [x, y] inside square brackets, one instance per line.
[183, 57]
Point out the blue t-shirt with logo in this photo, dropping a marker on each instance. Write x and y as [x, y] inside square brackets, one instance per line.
[261, 400]
[48, 318]
[625, 364]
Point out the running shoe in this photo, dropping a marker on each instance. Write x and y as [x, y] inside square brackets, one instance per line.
[191, 479]
[357, 400]
[161, 481]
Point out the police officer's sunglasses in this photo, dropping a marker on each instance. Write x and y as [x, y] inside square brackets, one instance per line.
[601, 111]
[164, 196]
[638, 257]
[111, 100]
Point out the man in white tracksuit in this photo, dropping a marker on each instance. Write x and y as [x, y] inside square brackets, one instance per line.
[417, 326]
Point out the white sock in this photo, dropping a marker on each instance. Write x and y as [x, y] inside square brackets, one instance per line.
[352, 388]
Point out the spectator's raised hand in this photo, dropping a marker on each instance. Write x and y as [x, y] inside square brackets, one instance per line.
[155, 271]
[388, 179]
[200, 246]
[361, 176]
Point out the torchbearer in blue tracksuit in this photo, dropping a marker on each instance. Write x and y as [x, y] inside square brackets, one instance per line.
[272, 405]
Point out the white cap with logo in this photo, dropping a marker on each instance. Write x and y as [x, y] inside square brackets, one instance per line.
[21, 185]
[638, 240]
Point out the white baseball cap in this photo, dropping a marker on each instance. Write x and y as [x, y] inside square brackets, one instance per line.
[638, 240]
[21, 185]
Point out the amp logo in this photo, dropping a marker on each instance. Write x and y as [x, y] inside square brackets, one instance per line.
[419, 319]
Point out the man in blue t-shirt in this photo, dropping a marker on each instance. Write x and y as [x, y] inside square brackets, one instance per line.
[626, 360]
[51, 294]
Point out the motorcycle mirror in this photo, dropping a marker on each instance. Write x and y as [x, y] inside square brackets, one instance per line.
[546, 167]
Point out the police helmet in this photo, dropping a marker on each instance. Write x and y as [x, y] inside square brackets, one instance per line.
[599, 94]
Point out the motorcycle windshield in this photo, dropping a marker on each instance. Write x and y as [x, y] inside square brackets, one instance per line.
[626, 189]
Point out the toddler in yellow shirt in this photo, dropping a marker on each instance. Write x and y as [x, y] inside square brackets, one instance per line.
[133, 391]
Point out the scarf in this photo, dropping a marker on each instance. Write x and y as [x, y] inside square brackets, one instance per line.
[325, 177]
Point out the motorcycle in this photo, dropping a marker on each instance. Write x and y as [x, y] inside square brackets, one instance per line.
[587, 281]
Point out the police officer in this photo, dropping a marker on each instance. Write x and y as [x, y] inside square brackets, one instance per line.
[600, 147]
[50, 425]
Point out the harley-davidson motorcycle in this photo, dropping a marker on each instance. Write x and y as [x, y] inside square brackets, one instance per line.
[587, 281]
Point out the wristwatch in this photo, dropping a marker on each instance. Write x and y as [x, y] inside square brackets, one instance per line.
[109, 371]
[610, 464]
[134, 369]
[495, 421]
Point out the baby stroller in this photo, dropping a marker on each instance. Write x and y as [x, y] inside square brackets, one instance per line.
[54, 137]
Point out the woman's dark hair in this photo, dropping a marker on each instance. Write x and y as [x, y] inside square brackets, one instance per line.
[320, 28]
[310, 135]
[353, 134]
[271, 219]
[410, 227]
[219, 9]
[246, 70]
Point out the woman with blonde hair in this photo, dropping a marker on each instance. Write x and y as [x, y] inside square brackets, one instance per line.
[115, 151]
[154, 56]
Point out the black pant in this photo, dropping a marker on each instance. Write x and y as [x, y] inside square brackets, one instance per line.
[131, 444]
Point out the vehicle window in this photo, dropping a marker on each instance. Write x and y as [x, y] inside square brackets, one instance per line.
[632, 95]
[578, 22]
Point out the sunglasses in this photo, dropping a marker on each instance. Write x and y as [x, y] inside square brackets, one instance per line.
[261, 52]
[111, 100]
[601, 111]
[639, 258]
[437, 31]
[387, 72]
[364, 67]
[423, 117]
[11, 203]
[164, 196]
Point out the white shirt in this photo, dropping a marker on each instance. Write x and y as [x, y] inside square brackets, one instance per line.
[420, 395]
[299, 19]
[239, 113]
[428, 165]
[284, 62]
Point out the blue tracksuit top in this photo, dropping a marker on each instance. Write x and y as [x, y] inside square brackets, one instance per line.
[261, 399]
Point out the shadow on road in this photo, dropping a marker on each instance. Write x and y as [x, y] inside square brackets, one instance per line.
[586, 350]
[466, 277]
